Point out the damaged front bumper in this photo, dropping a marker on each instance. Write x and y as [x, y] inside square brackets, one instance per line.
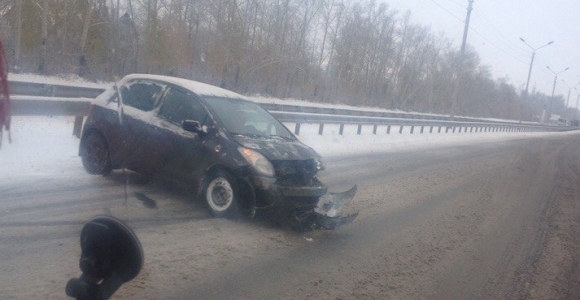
[303, 207]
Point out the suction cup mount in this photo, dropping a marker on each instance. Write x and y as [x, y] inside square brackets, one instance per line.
[111, 255]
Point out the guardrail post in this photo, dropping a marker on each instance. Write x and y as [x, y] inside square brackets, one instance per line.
[388, 129]
[422, 128]
[320, 128]
[454, 129]
[439, 129]
[359, 130]
[77, 126]
[341, 129]
[459, 129]
[431, 130]
[401, 129]
[297, 129]
[447, 129]
[375, 129]
[412, 128]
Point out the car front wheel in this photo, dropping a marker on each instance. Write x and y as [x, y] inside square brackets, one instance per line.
[95, 154]
[221, 195]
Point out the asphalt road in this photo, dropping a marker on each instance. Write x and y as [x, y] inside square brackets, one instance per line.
[488, 221]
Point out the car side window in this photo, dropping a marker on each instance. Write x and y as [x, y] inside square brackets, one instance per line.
[178, 106]
[141, 95]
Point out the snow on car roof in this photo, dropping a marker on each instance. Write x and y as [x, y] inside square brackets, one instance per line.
[200, 88]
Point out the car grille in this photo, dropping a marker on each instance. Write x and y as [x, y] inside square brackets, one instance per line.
[295, 172]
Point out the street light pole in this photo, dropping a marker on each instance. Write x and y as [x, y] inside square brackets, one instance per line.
[530, 73]
[572, 88]
[576, 109]
[554, 89]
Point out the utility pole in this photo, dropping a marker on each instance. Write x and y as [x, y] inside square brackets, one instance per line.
[466, 28]
[525, 97]
[461, 59]
[549, 114]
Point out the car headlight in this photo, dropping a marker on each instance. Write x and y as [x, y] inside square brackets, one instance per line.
[257, 161]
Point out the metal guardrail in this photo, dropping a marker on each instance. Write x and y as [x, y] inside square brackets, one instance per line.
[52, 90]
[62, 100]
[423, 125]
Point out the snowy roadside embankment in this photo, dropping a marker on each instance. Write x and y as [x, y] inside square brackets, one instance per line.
[42, 145]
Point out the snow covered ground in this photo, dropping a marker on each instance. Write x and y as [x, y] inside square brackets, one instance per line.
[45, 145]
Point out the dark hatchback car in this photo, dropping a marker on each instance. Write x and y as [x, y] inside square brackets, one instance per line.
[230, 150]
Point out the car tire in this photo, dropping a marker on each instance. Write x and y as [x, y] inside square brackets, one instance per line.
[221, 195]
[95, 154]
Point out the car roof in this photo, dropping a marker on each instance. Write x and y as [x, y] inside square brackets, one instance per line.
[199, 88]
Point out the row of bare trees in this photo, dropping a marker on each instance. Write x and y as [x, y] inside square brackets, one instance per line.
[362, 53]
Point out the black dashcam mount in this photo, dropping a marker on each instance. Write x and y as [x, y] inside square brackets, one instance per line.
[111, 255]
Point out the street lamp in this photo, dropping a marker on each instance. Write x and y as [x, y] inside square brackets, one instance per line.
[569, 90]
[554, 88]
[530, 72]
[576, 109]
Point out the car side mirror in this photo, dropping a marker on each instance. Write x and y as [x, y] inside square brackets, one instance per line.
[192, 126]
[111, 255]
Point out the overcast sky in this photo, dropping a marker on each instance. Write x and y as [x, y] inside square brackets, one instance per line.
[495, 29]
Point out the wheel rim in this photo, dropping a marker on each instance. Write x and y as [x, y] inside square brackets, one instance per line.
[220, 194]
[95, 154]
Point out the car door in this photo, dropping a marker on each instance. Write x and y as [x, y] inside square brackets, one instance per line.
[182, 154]
[140, 98]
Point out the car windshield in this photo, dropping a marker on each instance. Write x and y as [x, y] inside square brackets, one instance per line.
[246, 118]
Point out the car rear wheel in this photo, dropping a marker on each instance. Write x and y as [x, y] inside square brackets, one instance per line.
[95, 154]
[221, 195]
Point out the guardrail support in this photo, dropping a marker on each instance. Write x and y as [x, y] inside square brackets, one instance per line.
[401, 129]
[359, 130]
[389, 129]
[341, 129]
[375, 129]
[320, 128]
[78, 126]
[297, 129]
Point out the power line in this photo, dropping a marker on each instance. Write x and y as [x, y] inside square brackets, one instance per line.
[457, 3]
[445, 9]
[498, 47]
[500, 36]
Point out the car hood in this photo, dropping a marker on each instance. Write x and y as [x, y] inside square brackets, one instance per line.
[275, 148]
